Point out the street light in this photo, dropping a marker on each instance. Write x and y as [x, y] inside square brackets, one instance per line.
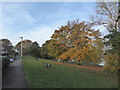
[118, 22]
[21, 48]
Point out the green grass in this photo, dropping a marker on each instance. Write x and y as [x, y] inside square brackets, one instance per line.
[62, 76]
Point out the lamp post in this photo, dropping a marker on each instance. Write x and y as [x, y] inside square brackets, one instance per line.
[21, 48]
[118, 16]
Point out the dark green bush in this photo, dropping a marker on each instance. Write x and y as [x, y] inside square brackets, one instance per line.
[5, 61]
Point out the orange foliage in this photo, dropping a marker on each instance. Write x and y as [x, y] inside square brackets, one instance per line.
[77, 39]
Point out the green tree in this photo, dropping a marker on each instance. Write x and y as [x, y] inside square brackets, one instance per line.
[114, 44]
[34, 49]
[44, 52]
[26, 46]
[7, 45]
[108, 14]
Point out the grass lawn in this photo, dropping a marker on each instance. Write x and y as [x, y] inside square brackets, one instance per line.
[63, 76]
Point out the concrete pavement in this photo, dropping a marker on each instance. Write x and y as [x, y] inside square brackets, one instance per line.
[13, 76]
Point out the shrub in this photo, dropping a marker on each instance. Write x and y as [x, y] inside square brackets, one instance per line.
[111, 62]
[5, 62]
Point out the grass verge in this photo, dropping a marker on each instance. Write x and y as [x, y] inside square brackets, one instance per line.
[62, 76]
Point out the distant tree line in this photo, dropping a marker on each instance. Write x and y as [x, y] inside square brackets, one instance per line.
[29, 48]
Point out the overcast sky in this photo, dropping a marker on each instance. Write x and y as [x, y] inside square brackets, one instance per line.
[37, 21]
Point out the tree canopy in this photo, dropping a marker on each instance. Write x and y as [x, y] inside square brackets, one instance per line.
[76, 40]
[34, 50]
[29, 48]
[7, 45]
[26, 46]
[108, 13]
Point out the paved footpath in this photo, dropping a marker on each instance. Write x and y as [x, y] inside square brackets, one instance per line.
[13, 76]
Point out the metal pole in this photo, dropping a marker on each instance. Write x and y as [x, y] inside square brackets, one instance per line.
[21, 48]
[118, 17]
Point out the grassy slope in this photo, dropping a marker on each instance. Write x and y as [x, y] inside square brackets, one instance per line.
[61, 76]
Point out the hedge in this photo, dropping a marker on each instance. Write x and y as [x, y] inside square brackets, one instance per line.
[5, 61]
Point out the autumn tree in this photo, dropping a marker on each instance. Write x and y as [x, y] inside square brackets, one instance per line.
[58, 43]
[84, 43]
[54, 49]
[75, 40]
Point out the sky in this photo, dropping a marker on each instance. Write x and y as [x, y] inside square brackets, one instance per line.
[37, 21]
